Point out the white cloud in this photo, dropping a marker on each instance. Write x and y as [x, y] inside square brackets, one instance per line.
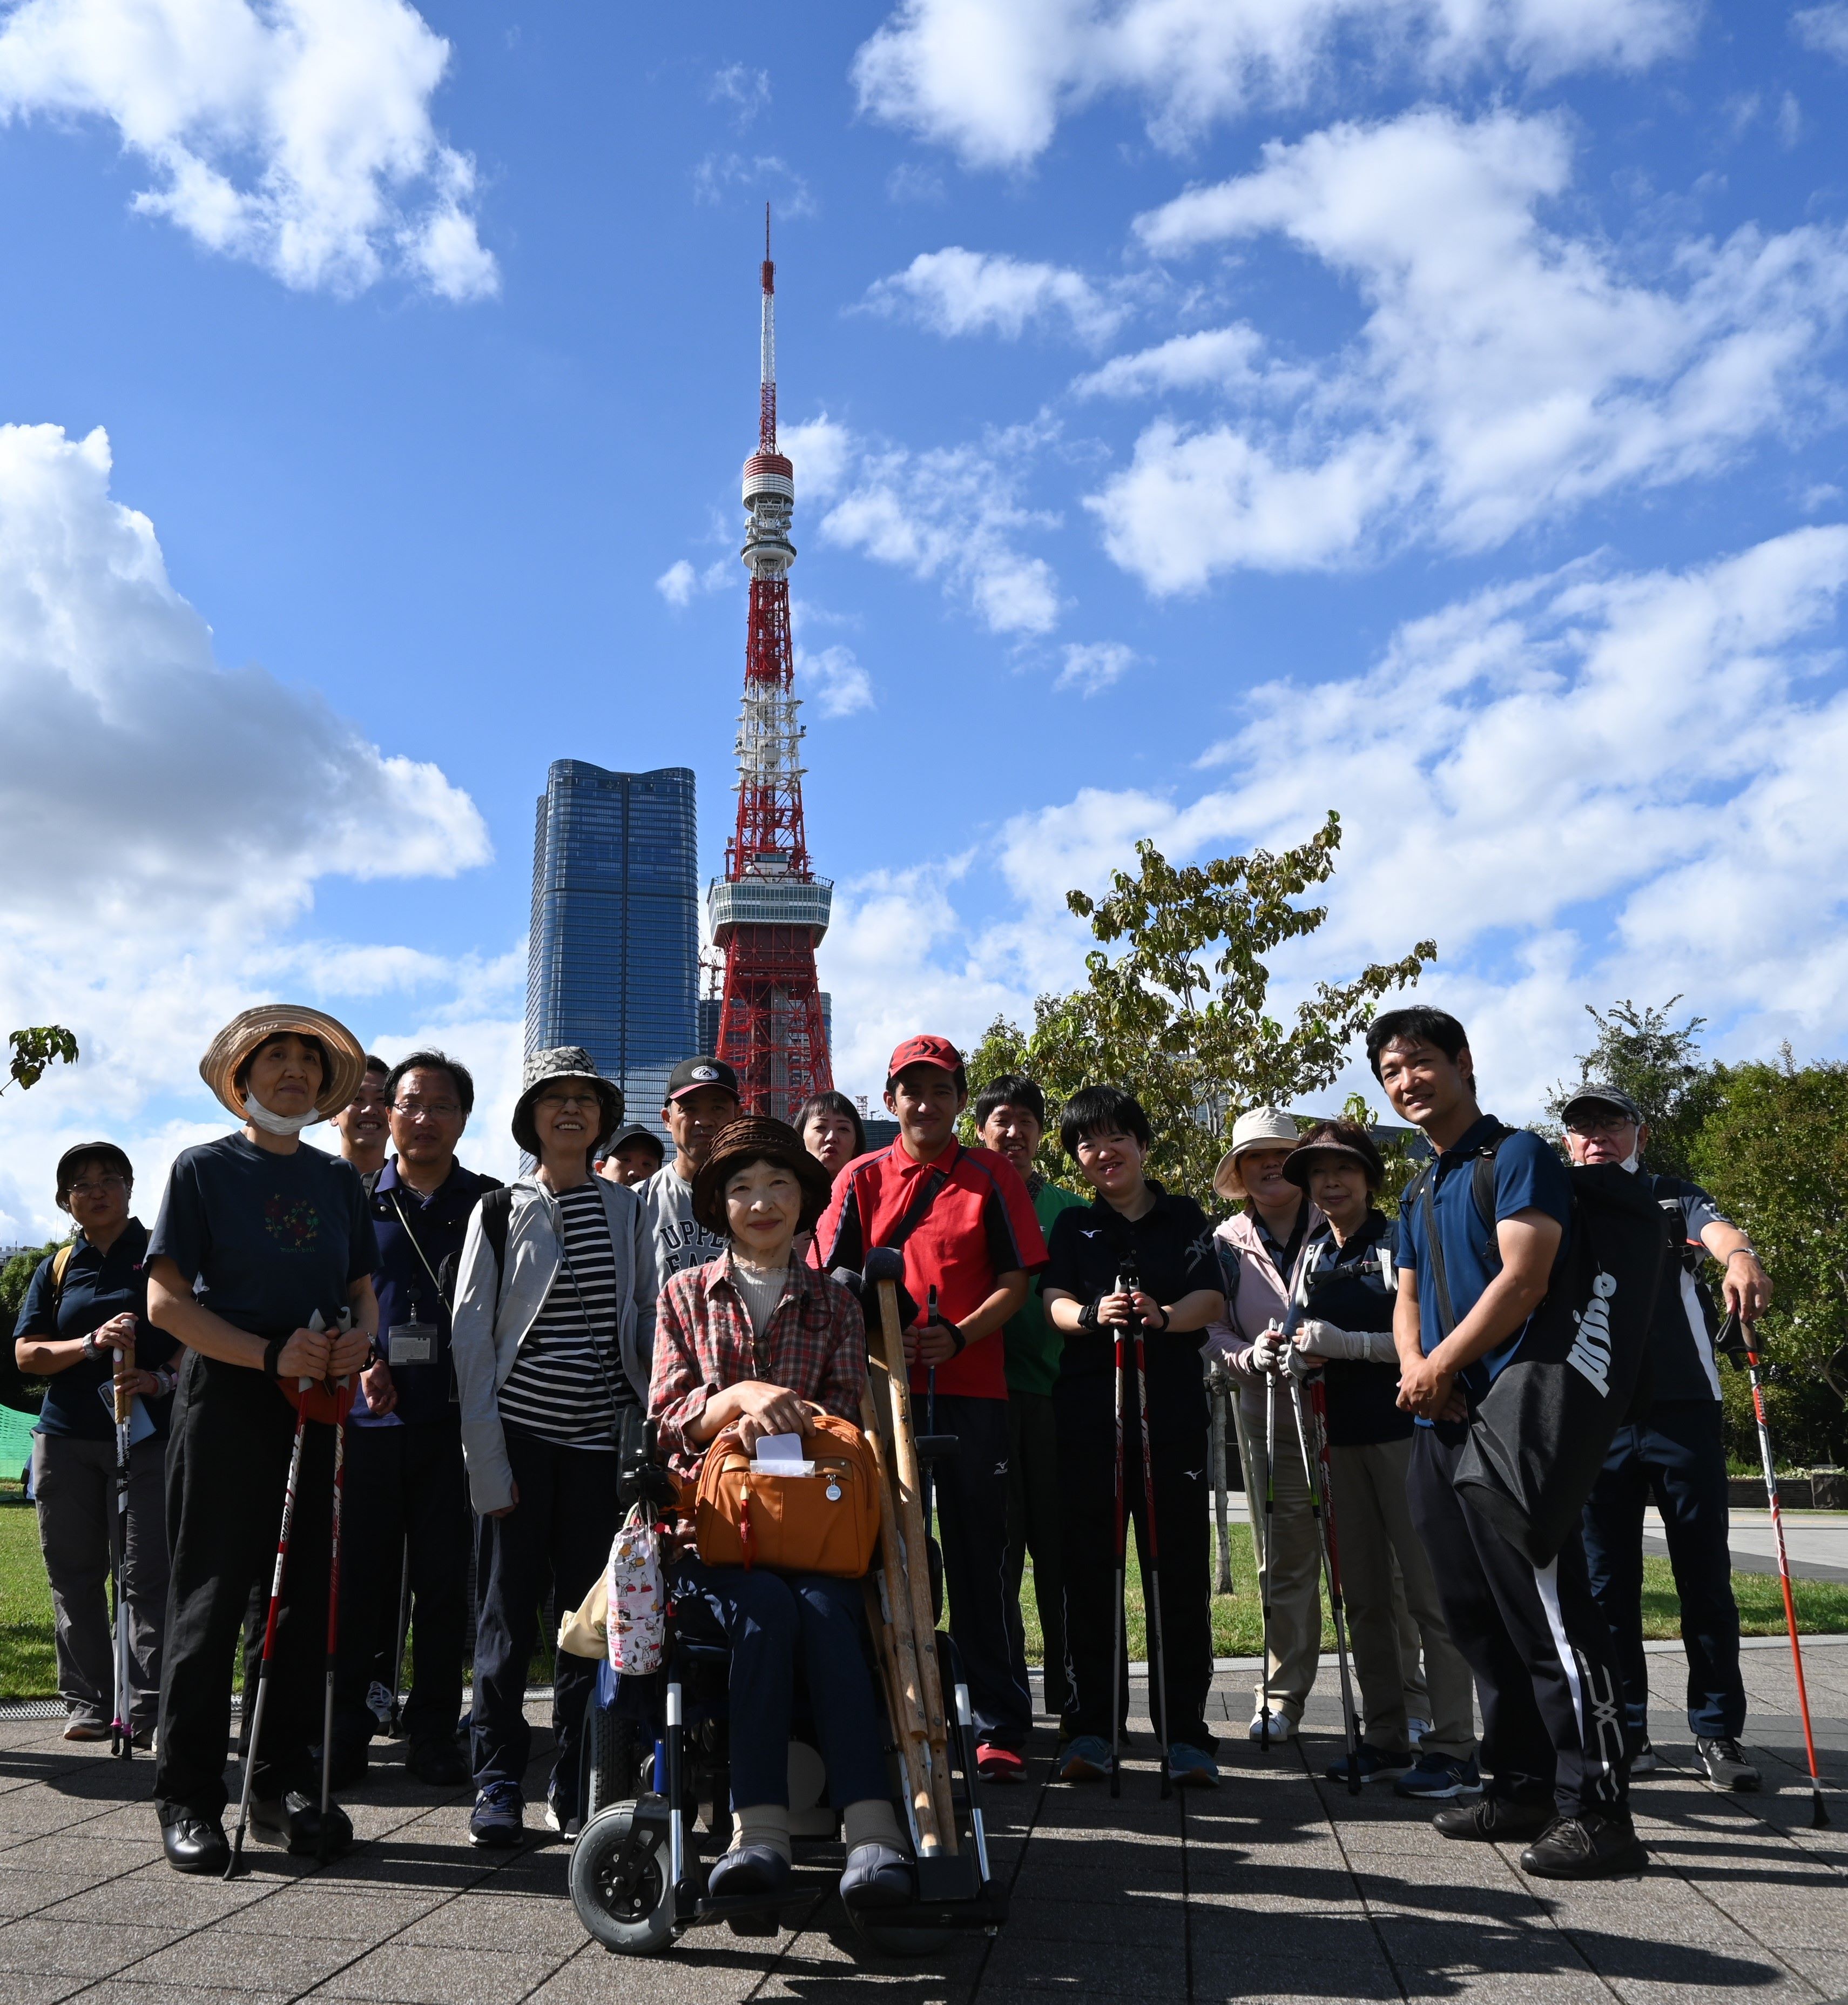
[840, 685]
[719, 172]
[295, 135]
[740, 86]
[165, 823]
[1823, 29]
[956, 292]
[680, 583]
[1092, 666]
[1228, 359]
[992, 79]
[1506, 372]
[820, 451]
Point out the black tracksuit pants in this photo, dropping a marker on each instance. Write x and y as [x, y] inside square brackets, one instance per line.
[970, 1490]
[1178, 1446]
[227, 1465]
[1535, 1639]
[1677, 1458]
[404, 1483]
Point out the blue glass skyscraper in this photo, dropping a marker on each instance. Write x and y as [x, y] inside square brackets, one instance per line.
[613, 957]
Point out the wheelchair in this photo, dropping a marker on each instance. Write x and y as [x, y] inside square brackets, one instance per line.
[655, 1794]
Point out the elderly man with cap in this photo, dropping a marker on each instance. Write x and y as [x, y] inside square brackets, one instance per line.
[554, 1297]
[702, 1098]
[1675, 1454]
[84, 1305]
[1260, 1249]
[262, 1247]
[966, 1228]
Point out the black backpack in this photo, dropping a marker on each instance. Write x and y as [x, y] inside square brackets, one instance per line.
[1540, 1435]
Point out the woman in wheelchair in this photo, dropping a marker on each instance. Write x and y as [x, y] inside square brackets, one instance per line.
[753, 1341]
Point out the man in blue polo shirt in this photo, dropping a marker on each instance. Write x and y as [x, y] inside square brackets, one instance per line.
[406, 1492]
[1534, 1638]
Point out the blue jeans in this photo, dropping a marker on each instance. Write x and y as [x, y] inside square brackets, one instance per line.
[765, 1617]
[1677, 1458]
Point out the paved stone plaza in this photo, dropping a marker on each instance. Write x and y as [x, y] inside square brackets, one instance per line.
[1276, 1888]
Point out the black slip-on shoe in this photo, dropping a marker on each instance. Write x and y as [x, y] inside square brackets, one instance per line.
[294, 1821]
[878, 1876]
[195, 1844]
[748, 1869]
[1596, 1845]
[1496, 1819]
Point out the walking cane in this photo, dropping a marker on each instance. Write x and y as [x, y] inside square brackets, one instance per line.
[1322, 1509]
[121, 1734]
[393, 1725]
[1738, 1340]
[1158, 1654]
[1216, 1396]
[1119, 1629]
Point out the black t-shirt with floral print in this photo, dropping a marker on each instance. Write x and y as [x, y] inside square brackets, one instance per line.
[266, 1240]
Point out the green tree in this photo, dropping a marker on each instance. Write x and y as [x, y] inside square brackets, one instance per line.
[1774, 1151]
[1638, 1051]
[17, 1391]
[1181, 1016]
[34, 1051]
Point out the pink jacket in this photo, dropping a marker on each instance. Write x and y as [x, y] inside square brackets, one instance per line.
[1256, 1295]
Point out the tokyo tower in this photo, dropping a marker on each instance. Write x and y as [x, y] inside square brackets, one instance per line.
[770, 912]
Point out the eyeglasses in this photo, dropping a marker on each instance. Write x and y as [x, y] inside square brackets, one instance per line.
[563, 1101]
[1607, 1123]
[99, 1186]
[426, 1110]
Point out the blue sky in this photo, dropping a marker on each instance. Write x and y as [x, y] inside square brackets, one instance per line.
[1205, 413]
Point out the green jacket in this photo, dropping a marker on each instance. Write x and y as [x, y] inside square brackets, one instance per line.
[1033, 1346]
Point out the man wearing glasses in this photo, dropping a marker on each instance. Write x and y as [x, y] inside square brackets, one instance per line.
[406, 1495]
[1675, 1453]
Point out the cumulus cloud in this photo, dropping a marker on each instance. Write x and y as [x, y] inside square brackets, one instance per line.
[719, 173]
[745, 89]
[957, 292]
[297, 136]
[838, 684]
[1091, 666]
[1507, 372]
[165, 822]
[992, 79]
[680, 583]
[1823, 29]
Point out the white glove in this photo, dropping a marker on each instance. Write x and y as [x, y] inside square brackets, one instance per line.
[1266, 1350]
[1302, 1364]
[1367, 1346]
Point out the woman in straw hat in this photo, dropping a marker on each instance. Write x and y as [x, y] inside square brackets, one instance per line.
[258, 1238]
[755, 1341]
[549, 1335]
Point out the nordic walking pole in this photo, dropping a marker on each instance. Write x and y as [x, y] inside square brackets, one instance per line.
[930, 1470]
[1743, 1340]
[1323, 1513]
[393, 1723]
[1245, 1470]
[1263, 1732]
[1217, 1395]
[327, 1716]
[1120, 1630]
[121, 1734]
[1158, 1651]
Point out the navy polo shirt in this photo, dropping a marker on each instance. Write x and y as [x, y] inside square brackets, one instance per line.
[1529, 1176]
[416, 1234]
[97, 1286]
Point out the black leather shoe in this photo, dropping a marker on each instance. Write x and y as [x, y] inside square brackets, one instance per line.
[295, 1821]
[1596, 1845]
[195, 1844]
[440, 1764]
[1496, 1819]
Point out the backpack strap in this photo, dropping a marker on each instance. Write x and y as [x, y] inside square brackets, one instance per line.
[1481, 1190]
[60, 1265]
[497, 1209]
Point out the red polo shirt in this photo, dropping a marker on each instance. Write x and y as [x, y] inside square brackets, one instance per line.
[980, 1225]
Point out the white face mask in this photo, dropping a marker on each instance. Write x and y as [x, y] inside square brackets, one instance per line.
[277, 1124]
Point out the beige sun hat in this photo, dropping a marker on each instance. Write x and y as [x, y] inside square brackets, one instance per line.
[1262, 1128]
[345, 1055]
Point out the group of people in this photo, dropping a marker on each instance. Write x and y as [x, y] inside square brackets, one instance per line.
[507, 1342]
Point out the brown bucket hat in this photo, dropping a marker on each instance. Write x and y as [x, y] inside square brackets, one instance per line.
[751, 1140]
[345, 1055]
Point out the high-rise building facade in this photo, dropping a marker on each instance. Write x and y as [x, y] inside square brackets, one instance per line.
[613, 957]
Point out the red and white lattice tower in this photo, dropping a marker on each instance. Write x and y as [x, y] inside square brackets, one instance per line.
[769, 910]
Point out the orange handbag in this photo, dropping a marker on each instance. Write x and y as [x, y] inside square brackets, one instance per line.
[745, 1514]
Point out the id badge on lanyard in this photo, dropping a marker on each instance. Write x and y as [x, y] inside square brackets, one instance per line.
[412, 1342]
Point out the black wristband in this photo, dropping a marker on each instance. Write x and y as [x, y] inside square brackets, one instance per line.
[955, 1331]
[1163, 1324]
[272, 1356]
[1087, 1316]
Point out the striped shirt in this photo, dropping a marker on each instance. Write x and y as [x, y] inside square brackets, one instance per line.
[570, 1369]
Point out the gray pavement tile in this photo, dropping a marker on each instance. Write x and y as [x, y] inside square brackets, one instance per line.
[125, 1991]
[30, 1892]
[700, 1970]
[33, 1987]
[412, 1974]
[1131, 1918]
[231, 1959]
[520, 1925]
[310, 1910]
[84, 1949]
[88, 1861]
[156, 1896]
[1028, 1963]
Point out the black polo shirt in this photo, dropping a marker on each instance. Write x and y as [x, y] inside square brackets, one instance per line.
[97, 1286]
[1353, 1288]
[1171, 1249]
[416, 1234]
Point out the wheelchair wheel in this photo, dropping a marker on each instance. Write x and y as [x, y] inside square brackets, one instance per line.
[634, 1919]
[612, 1760]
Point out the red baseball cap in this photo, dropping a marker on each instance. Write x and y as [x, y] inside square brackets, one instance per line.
[925, 1050]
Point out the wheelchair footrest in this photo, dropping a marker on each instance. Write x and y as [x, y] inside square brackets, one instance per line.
[948, 1876]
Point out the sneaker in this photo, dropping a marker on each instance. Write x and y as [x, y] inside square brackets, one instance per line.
[1496, 1819]
[1416, 1730]
[1191, 1767]
[995, 1763]
[1087, 1760]
[1596, 1845]
[86, 1730]
[500, 1816]
[380, 1702]
[1282, 1726]
[1435, 1778]
[1374, 1764]
[566, 1823]
[1724, 1761]
[1643, 1761]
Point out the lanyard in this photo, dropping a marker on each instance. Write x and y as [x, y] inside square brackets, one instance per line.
[416, 1242]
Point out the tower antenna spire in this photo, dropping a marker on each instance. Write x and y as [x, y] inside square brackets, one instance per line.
[766, 419]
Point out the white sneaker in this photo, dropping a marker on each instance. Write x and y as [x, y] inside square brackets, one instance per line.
[1416, 1730]
[379, 1702]
[1281, 1726]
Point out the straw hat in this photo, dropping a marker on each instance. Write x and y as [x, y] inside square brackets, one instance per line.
[251, 1028]
[1263, 1127]
[751, 1140]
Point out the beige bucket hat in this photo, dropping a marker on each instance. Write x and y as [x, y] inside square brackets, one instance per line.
[1263, 1127]
[246, 1031]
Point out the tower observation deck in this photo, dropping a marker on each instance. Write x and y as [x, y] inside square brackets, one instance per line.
[769, 910]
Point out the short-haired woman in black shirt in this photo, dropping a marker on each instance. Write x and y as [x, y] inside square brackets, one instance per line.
[1132, 1224]
[257, 1234]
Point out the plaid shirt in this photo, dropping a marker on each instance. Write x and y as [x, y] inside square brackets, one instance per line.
[814, 1344]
